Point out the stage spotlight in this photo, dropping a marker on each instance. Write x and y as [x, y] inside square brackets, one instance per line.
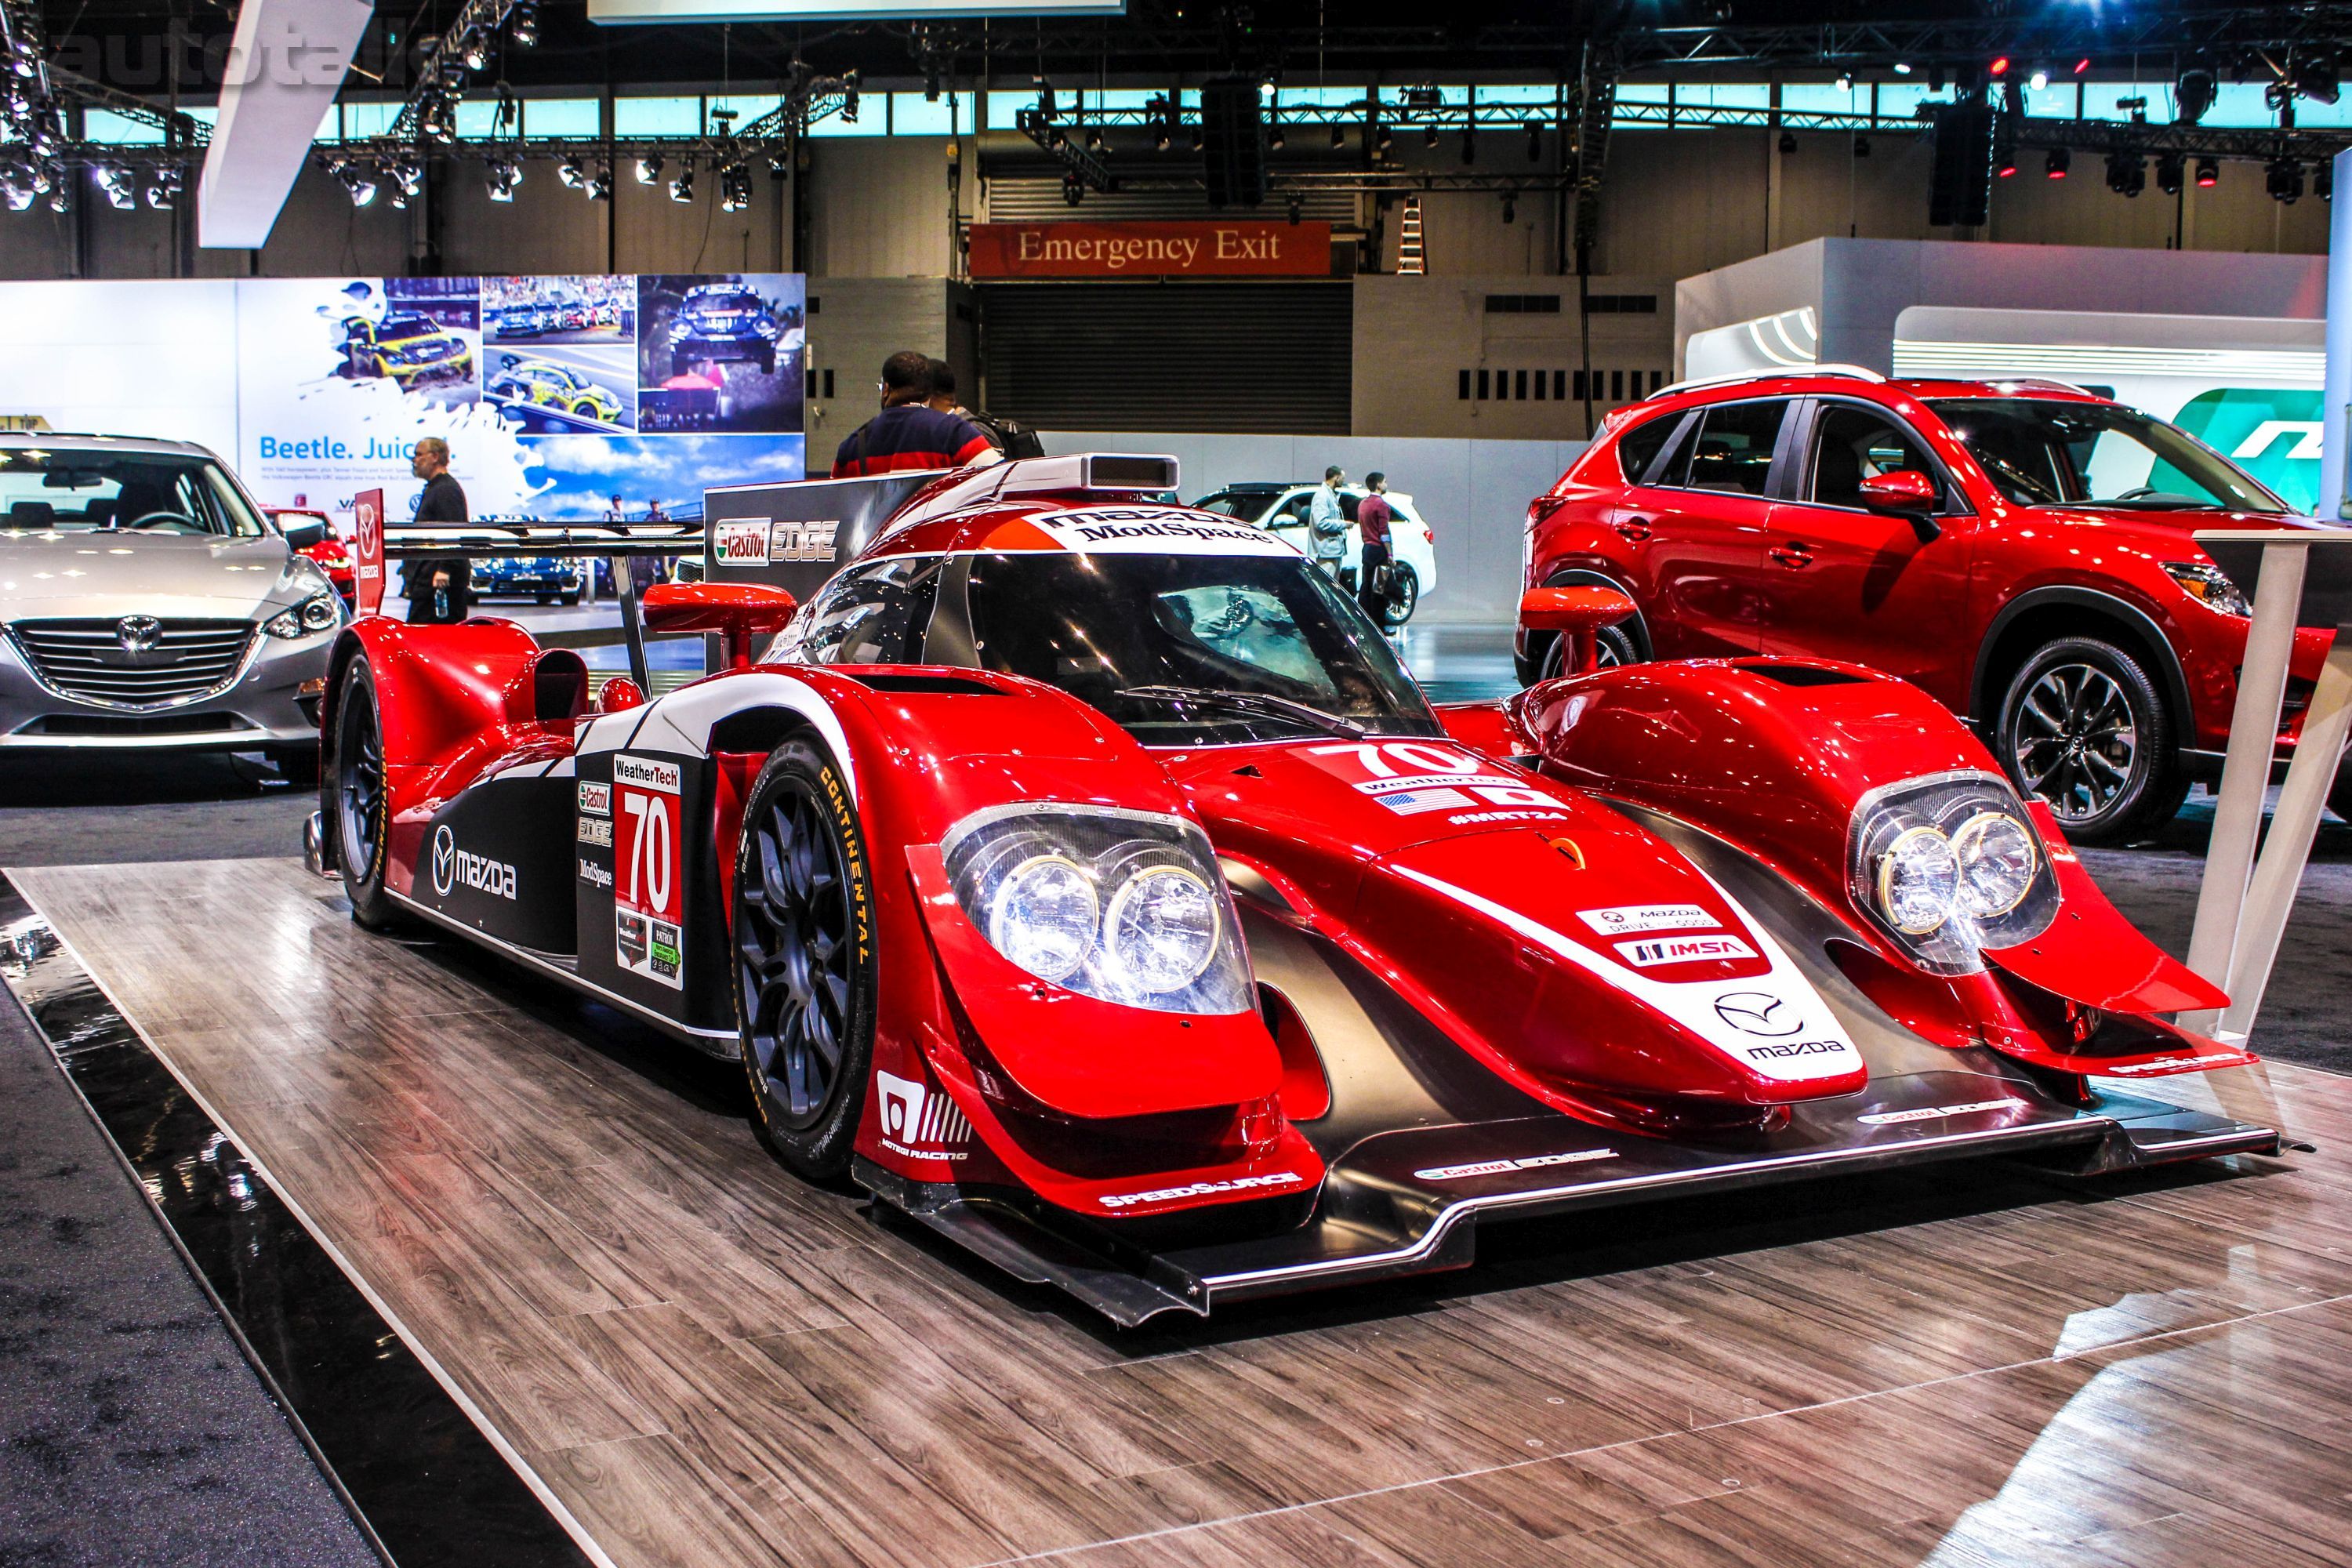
[163, 193]
[505, 174]
[1093, 139]
[1074, 190]
[2209, 172]
[119, 185]
[1381, 139]
[475, 50]
[1845, 81]
[2192, 97]
[2314, 76]
[1429, 136]
[2004, 159]
[2000, 66]
[571, 174]
[1535, 141]
[2039, 79]
[356, 184]
[681, 190]
[2170, 170]
[20, 196]
[599, 184]
[734, 188]
[2127, 174]
[1788, 142]
[1902, 68]
[2283, 178]
[522, 24]
[649, 169]
[2055, 165]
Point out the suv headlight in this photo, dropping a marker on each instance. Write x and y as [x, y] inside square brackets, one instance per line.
[1126, 906]
[311, 616]
[2203, 580]
[1948, 866]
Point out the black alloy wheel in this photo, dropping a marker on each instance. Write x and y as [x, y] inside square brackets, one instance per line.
[805, 967]
[1616, 647]
[2082, 727]
[357, 804]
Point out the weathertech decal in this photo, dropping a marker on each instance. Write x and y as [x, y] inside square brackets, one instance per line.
[1931, 1113]
[1504, 1167]
[645, 773]
[1660, 949]
[1409, 777]
[1158, 530]
[1631, 920]
[1200, 1190]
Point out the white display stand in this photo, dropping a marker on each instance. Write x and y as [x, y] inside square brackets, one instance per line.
[2298, 577]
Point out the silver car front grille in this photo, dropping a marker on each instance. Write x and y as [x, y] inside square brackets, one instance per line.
[135, 662]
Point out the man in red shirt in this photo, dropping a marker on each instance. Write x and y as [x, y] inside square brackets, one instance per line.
[1373, 515]
[908, 433]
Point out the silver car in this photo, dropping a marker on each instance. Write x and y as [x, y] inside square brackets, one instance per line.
[147, 602]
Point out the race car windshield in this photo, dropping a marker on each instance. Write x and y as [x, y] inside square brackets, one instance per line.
[1152, 640]
[148, 493]
[2041, 452]
[405, 327]
[729, 302]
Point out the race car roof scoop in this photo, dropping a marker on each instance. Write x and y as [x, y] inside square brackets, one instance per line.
[737, 612]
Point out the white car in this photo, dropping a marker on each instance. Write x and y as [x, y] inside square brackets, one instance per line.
[1283, 508]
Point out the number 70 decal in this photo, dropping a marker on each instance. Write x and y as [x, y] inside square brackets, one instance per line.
[1409, 777]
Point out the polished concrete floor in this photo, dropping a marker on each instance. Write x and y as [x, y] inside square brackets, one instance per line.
[698, 1359]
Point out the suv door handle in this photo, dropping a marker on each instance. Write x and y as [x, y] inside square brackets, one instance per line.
[1791, 554]
[1632, 529]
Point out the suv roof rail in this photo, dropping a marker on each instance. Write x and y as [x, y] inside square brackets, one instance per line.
[1859, 372]
[2050, 382]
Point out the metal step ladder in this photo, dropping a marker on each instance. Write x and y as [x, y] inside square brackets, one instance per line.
[1411, 261]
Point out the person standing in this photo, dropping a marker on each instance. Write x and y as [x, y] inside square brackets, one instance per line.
[1327, 522]
[440, 588]
[1374, 518]
[909, 434]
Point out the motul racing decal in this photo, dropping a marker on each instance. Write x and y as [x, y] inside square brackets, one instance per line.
[1660, 949]
[1504, 1167]
[647, 880]
[1411, 777]
[917, 1121]
[1156, 531]
[1627, 920]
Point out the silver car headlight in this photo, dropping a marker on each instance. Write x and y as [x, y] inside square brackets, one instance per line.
[1126, 906]
[312, 615]
[1950, 865]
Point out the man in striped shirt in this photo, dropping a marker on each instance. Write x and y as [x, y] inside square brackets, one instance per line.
[908, 433]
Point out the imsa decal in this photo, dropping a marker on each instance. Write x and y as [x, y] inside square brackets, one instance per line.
[1660, 949]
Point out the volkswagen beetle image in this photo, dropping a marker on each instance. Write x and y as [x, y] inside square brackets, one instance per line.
[722, 321]
[1085, 878]
[408, 349]
[550, 386]
[147, 603]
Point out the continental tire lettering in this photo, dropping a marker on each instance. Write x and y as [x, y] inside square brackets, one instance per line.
[853, 854]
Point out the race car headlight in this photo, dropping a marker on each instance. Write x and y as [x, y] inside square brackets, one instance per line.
[1126, 906]
[2203, 580]
[1949, 866]
[311, 616]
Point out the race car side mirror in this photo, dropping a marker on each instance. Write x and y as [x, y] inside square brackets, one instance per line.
[1577, 611]
[737, 612]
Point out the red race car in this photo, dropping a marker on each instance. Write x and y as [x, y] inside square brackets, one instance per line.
[2022, 548]
[1084, 876]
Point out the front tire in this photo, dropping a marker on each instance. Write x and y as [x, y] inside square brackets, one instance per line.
[356, 802]
[804, 963]
[2083, 727]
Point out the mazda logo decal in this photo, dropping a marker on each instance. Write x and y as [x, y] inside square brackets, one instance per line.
[138, 633]
[444, 859]
[1758, 1013]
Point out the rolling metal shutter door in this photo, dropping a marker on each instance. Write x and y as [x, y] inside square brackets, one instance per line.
[1269, 358]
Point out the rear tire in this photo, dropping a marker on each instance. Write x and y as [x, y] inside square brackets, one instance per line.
[2083, 727]
[804, 963]
[356, 802]
[1404, 596]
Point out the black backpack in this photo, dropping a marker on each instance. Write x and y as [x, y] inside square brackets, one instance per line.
[1012, 438]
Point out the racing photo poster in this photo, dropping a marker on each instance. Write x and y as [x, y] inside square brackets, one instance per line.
[560, 396]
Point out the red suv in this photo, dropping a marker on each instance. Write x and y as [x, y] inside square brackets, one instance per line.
[2020, 549]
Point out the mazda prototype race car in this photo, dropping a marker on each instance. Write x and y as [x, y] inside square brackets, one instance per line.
[1085, 876]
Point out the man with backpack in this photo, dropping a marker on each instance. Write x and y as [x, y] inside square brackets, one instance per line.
[1009, 437]
[910, 433]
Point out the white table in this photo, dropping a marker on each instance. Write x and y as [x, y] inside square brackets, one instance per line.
[2301, 577]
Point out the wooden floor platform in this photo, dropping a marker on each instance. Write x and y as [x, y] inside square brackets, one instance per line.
[701, 1360]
